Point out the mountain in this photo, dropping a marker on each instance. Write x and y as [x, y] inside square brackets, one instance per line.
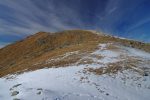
[75, 65]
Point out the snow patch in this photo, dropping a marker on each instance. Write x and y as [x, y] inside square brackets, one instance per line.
[72, 83]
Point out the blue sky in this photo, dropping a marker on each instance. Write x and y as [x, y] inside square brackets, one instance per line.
[125, 18]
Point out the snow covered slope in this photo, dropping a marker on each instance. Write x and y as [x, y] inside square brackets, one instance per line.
[111, 72]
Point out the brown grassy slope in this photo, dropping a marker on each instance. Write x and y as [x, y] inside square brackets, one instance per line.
[42, 46]
[126, 42]
[135, 44]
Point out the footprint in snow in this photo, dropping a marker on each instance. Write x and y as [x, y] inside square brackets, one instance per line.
[15, 86]
[13, 92]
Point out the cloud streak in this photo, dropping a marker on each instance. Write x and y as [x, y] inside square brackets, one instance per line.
[30, 18]
[118, 17]
[2, 44]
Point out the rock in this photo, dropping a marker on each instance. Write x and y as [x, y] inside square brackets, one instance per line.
[14, 93]
[39, 92]
[145, 74]
[16, 85]
[107, 94]
[11, 89]
[41, 41]
[57, 99]
[16, 99]
[39, 89]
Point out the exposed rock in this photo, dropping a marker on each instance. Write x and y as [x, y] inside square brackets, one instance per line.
[16, 99]
[16, 85]
[14, 93]
[39, 93]
[145, 74]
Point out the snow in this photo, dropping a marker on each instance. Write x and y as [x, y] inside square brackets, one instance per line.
[109, 56]
[58, 83]
[136, 52]
[62, 56]
[64, 84]
[71, 83]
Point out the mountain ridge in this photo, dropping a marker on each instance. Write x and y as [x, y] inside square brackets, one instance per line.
[75, 65]
[41, 46]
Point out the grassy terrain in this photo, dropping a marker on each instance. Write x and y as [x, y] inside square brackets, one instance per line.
[33, 52]
[120, 66]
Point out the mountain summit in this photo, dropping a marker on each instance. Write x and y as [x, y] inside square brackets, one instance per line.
[75, 65]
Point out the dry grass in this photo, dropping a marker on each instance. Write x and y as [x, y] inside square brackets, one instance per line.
[42, 46]
[120, 66]
[85, 61]
[112, 47]
[24, 54]
[135, 44]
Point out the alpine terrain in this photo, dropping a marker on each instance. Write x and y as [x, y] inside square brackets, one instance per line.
[75, 65]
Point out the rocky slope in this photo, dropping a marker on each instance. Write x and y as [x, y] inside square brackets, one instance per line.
[75, 65]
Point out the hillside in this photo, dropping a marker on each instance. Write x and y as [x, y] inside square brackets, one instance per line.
[32, 52]
[75, 65]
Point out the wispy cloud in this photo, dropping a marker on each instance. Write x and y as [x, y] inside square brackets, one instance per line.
[138, 24]
[30, 18]
[24, 17]
[3, 44]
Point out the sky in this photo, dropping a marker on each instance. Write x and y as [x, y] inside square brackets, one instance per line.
[124, 18]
